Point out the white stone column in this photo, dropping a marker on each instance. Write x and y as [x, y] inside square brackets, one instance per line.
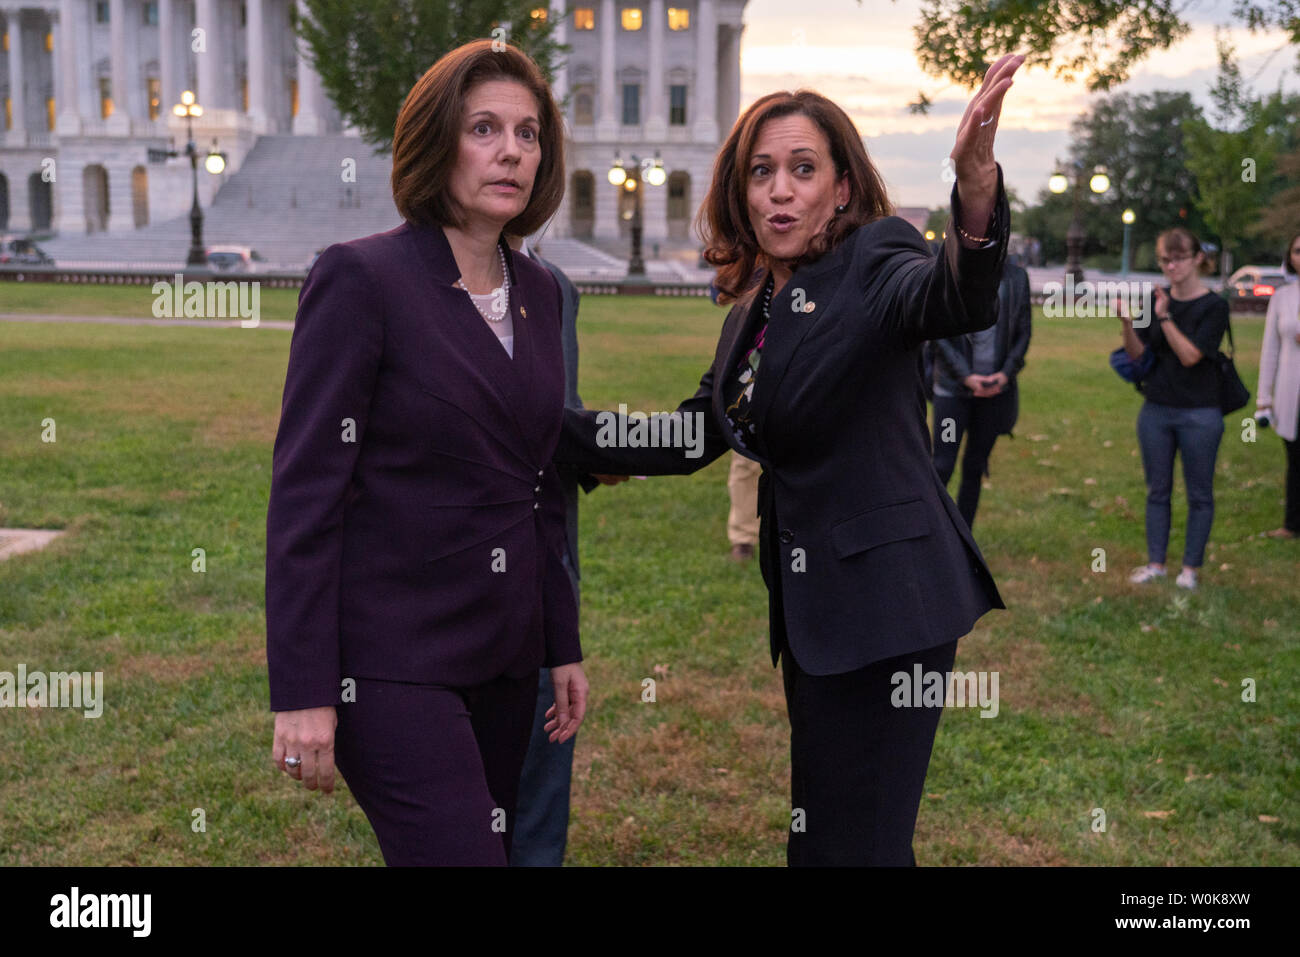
[705, 128]
[258, 112]
[560, 88]
[120, 121]
[171, 77]
[310, 120]
[17, 89]
[209, 93]
[608, 121]
[656, 123]
[65, 46]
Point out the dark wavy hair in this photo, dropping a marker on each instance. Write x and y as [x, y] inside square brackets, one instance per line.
[1286, 255]
[426, 138]
[723, 221]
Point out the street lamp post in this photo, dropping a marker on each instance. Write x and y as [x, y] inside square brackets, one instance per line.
[1127, 217]
[1099, 182]
[649, 171]
[214, 163]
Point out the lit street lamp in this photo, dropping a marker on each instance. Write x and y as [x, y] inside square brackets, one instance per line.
[1098, 182]
[214, 163]
[1127, 217]
[630, 178]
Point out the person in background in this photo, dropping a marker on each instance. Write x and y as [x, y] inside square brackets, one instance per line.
[542, 814]
[975, 390]
[1279, 382]
[1181, 412]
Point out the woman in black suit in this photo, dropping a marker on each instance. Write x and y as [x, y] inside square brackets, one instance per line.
[871, 570]
[415, 531]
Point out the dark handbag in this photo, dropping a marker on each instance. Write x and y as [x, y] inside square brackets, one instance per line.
[1233, 394]
[1132, 370]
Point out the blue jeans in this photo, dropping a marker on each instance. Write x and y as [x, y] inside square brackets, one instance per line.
[1195, 433]
[542, 817]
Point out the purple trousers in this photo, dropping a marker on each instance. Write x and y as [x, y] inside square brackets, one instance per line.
[436, 769]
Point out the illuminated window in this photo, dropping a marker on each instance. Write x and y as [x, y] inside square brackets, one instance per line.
[631, 18]
[584, 18]
[49, 42]
[293, 96]
[50, 113]
[538, 14]
[679, 18]
[243, 93]
[154, 97]
[9, 113]
[105, 98]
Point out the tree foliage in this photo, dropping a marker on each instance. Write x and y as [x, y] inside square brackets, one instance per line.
[369, 53]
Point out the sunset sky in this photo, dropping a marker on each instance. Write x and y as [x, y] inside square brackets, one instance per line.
[862, 56]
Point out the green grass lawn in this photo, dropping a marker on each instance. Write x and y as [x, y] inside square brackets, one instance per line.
[1113, 696]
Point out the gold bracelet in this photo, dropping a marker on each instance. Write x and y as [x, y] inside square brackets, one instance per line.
[969, 238]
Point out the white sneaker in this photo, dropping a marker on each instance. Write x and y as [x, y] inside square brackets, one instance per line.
[1146, 573]
[1186, 579]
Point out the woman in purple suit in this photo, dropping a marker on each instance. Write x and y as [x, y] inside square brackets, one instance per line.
[414, 574]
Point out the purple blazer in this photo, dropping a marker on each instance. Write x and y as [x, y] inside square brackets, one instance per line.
[416, 525]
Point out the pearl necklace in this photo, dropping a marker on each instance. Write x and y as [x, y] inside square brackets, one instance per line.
[505, 279]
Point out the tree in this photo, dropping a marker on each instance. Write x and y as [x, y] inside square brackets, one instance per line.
[1230, 158]
[1099, 39]
[1139, 138]
[369, 53]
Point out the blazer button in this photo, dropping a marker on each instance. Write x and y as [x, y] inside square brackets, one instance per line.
[536, 505]
[540, 473]
[787, 536]
[537, 489]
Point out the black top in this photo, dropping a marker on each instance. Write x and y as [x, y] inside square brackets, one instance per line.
[1203, 320]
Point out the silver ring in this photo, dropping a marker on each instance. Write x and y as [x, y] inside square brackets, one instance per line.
[292, 762]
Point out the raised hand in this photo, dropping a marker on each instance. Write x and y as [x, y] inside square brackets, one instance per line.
[972, 154]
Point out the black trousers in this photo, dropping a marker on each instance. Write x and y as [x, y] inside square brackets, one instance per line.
[1292, 522]
[857, 763]
[436, 769]
[980, 420]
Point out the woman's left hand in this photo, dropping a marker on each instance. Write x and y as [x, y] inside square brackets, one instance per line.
[571, 689]
[972, 154]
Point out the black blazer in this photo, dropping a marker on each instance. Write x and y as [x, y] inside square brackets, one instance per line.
[382, 538]
[872, 556]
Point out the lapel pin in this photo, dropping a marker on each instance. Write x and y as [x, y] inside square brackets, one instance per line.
[809, 306]
[523, 312]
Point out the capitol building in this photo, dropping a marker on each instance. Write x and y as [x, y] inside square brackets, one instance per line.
[89, 87]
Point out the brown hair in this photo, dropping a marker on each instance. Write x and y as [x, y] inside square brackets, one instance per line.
[723, 220]
[1180, 239]
[426, 138]
[1286, 256]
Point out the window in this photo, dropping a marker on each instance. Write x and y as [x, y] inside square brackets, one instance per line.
[150, 11]
[105, 98]
[101, 11]
[584, 18]
[584, 105]
[679, 18]
[631, 18]
[243, 15]
[154, 96]
[631, 104]
[9, 113]
[49, 113]
[677, 105]
[243, 93]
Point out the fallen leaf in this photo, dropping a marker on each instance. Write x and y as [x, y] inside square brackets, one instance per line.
[1157, 814]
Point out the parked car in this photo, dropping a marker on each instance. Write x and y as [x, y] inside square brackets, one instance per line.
[234, 259]
[16, 251]
[1254, 282]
